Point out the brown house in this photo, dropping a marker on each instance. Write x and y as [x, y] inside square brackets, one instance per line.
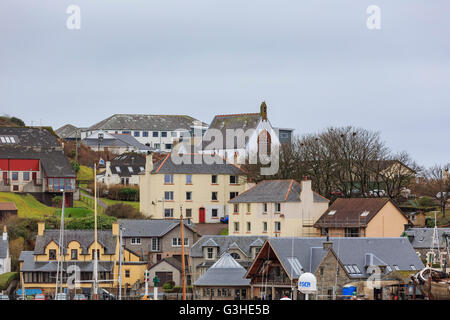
[362, 217]
[7, 209]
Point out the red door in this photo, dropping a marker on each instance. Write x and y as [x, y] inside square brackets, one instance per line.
[201, 215]
[34, 176]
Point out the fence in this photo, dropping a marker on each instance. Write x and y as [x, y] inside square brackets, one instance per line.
[90, 203]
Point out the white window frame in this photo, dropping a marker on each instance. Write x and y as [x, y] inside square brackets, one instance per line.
[135, 241]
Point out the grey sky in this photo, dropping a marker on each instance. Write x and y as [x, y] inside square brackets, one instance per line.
[314, 62]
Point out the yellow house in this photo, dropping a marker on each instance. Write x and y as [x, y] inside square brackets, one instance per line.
[38, 268]
[276, 208]
[362, 217]
[199, 186]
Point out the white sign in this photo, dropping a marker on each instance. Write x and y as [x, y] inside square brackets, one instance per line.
[307, 283]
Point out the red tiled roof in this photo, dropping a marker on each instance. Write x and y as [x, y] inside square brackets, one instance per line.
[7, 206]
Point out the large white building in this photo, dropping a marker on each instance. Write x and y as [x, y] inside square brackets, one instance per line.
[159, 132]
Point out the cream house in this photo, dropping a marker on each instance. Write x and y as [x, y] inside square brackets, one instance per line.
[277, 208]
[199, 187]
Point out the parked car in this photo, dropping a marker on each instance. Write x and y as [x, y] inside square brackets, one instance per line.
[224, 219]
[4, 297]
[39, 297]
[376, 192]
[79, 297]
[61, 296]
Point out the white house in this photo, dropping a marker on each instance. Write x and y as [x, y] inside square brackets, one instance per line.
[5, 258]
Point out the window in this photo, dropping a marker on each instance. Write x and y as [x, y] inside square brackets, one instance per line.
[209, 253]
[277, 207]
[145, 133]
[189, 179]
[214, 196]
[127, 273]
[188, 213]
[164, 134]
[118, 169]
[277, 226]
[188, 195]
[74, 254]
[388, 268]
[235, 256]
[176, 242]
[249, 207]
[332, 212]
[265, 208]
[135, 240]
[355, 267]
[413, 267]
[98, 254]
[168, 146]
[173, 134]
[168, 178]
[396, 267]
[15, 176]
[234, 179]
[156, 246]
[130, 169]
[214, 179]
[233, 195]
[137, 134]
[26, 176]
[214, 213]
[249, 226]
[236, 226]
[264, 226]
[155, 134]
[52, 254]
[365, 213]
[168, 213]
[15, 187]
[236, 207]
[126, 132]
[168, 195]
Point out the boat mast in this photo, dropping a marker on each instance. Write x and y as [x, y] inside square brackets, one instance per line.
[95, 236]
[59, 268]
[183, 278]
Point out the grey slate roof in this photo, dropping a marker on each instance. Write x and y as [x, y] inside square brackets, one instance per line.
[274, 191]
[145, 122]
[225, 272]
[150, 227]
[3, 248]
[244, 121]
[423, 237]
[350, 251]
[224, 242]
[30, 137]
[84, 237]
[197, 164]
[123, 161]
[53, 161]
[120, 140]
[68, 131]
[27, 257]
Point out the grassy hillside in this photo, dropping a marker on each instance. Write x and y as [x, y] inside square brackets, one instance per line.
[27, 205]
[85, 173]
[6, 278]
[109, 202]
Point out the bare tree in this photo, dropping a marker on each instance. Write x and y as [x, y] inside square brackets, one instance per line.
[437, 183]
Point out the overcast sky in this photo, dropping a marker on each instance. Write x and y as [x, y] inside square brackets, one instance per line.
[314, 62]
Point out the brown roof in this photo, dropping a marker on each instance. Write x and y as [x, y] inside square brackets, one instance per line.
[7, 206]
[348, 212]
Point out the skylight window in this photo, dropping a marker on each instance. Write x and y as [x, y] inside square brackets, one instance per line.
[350, 269]
[295, 264]
[130, 169]
[413, 267]
[3, 139]
[118, 169]
[7, 139]
[396, 267]
[365, 213]
[141, 168]
[355, 267]
[332, 212]
[388, 267]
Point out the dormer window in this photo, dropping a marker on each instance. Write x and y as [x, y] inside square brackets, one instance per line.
[332, 212]
[74, 254]
[210, 253]
[52, 254]
[118, 169]
[130, 169]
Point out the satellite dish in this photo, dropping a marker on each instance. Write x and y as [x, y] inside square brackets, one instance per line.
[307, 283]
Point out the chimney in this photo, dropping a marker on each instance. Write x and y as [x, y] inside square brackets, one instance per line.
[306, 193]
[149, 162]
[327, 245]
[5, 233]
[115, 229]
[41, 228]
[263, 111]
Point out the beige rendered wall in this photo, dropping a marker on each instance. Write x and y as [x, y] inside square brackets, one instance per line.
[389, 222]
